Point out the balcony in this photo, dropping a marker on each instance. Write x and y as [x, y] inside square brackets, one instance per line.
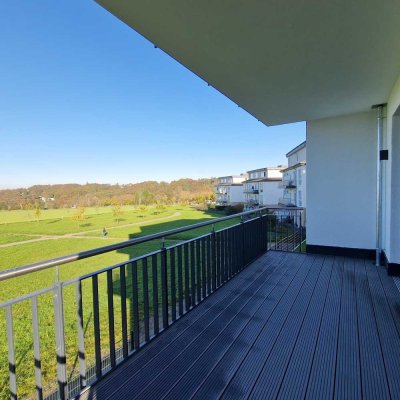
[252, 191]
[286, 202]
[287, 326]
[236, 312]
[288, 184]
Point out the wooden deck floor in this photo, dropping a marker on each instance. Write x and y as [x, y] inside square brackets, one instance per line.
[291, 326]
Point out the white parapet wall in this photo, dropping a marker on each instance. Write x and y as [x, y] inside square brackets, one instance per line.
[341, 181]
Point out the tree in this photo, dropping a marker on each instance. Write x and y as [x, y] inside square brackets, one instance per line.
[117, 212]
[37, 211]
[79, 215]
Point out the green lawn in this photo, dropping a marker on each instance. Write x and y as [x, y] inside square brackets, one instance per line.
[13, 216]
[6, 238]
[66, 225]
[30, 252]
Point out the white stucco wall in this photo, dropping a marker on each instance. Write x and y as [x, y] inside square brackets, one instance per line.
[298, 156]
[341, 176]
[271, 193]
[391, 200]
[236, 194]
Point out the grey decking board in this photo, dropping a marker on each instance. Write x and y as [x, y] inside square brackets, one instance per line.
[351, 338]
[348, 380]
[388, 335]
[294, 384]
[233, 351]
[243, 380]
[194, 334]
[392, 294]
[374, 381]
[322, 376]
[227, 326]
[271, 376]
[201, 314]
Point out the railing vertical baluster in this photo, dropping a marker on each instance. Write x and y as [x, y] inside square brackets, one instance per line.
[222, 256]
[96, 325]
[203, 268]
[237, 248]
[276, 230]
[146, 315]
[180, 281]
[218, 257]
[173, 283]
[198, 268]
[192, 274]
[81, 335]
[36, 349]
[164, 286]
[110, 303]
[230, 251]
[208, 241]
[301, 232]
[135, 335]
[243, 241]
[186, 277]
[294, 232]
[11, 353]
[124, 324]
[213, 260]
[224, 264]
[60, 341]
[155, 293]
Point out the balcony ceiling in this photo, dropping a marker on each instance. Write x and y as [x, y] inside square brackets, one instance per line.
[281, 60]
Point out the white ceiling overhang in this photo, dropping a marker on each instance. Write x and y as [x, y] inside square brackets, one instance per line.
[281, 60]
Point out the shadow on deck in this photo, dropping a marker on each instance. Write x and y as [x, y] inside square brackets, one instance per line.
[289, 326]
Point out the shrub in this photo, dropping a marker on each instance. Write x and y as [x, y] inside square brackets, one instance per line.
[231, 210]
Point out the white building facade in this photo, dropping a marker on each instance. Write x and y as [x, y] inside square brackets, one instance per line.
[294, 178]
[229, 190]
[262, 187]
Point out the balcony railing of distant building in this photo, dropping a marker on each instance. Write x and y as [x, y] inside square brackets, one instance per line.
[154, 290]
[286, 202]
[252, 191]
[288, 184]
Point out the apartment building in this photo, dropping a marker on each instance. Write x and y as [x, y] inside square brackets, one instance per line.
[262, 187]
[294, 178]
[229, 190]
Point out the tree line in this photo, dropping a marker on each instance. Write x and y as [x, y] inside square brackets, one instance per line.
[97, 195]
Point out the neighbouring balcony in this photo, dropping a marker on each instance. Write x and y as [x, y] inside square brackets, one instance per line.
[286, 202]
[252, 191]
[288, 184]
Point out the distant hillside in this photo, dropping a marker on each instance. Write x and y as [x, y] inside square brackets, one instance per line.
[95, 194]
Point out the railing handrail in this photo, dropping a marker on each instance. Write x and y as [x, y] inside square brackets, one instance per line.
[53, 262]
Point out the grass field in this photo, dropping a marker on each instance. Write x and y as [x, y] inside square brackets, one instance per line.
[10, 217]
[60, 228]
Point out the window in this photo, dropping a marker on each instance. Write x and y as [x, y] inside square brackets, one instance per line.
[299, 177]
[300, 198]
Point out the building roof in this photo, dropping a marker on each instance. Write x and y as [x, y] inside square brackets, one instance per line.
[296, 149]
[282, 61]
[229, 184]
[279, 167]
[233, 176]
[263, 180]
[300, 164]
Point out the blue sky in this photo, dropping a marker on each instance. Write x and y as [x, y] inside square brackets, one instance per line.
[84, 98]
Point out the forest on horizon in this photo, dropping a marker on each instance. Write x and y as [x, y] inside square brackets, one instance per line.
[97, 194]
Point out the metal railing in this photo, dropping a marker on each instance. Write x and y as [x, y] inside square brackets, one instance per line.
[130, 303]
